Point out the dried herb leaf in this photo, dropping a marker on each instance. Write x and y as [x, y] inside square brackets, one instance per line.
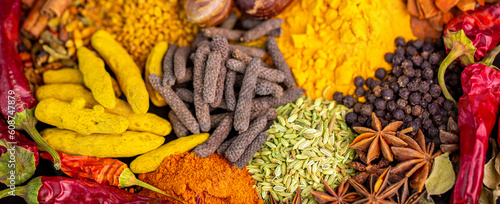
[442, 177]
[496, 194]
[426, 199]
[491, 176]
[486, 196]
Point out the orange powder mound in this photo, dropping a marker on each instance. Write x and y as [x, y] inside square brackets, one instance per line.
[209, 180]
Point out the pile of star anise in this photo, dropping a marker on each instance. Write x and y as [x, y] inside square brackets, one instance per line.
[378, 181]
[429, 16]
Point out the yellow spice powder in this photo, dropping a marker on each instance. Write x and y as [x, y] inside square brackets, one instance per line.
[139, 24]
[330, 42]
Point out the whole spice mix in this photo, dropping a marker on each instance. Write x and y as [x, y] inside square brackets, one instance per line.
[208, 180]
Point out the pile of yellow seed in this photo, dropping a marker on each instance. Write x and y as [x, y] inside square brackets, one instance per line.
[139, 24]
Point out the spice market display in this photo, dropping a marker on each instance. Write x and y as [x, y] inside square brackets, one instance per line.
[249, 101]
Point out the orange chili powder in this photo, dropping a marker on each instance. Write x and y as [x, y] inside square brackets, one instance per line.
[209, 180]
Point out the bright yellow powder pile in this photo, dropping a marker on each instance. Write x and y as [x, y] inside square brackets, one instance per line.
[330, 42]
[139, 24]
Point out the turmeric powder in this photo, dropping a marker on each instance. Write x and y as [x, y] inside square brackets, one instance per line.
[330, 42]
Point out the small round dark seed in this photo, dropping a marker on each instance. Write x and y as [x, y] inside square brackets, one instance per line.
[433, 132]
[415, 98]
[435, 91]
[359, 81]
[357, 107]
[417, 60]
[380, 104]
[404, 93]
[380, 73]
[403, 81]
[401, 103]
[428, 73]
[398, 114]
[417, 44]
[391, 106]
[411, 51]
[425, 64]
[424, 104]
[448, 105]
[362, 119]
[369, 82]
[414, 85]
[418, 73]
[338, 96]
[400, 51]
[387, 94]
[366, 110]
[407, 64]
[433, 108]
[440, 100]
[388, 57]
[397, 71]
[397, 59]
[385, 84]
[375, 83]
[407, 109]
[380, 114]
[348, 101]
[377, 91]
[427, 48]
[424, 87]
[400, 41]
[351, 118]
[437, 119]
[407, 118]
[425, 55]
[360, 92]
[391, 78]
[425, 114]
[394, 86]
[434, 59]
[371, 98]
[356, 125]
[416, 110]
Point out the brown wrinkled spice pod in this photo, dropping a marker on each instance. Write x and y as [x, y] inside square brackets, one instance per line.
[168, 66]
[247, 92]
[185, 95]
[176, 104]
[239, 55]
[276, 32]
[197, 41]
[251, 150]
[216, 138]
[241, 142]
[217, 118]
[273, 75]
[229, 93]
[180, 59]
[212, 71]
[262, 29]
[254, 52]
[288, 96]
[269, 113]
[249, 23]
[219, 93]
[179, 129]
[280, 62]
[259, 105]
[265, 87]
[223, 147]
[220, 44]
[230, 34]
[261, 9]
[187, 77]
[202, 109]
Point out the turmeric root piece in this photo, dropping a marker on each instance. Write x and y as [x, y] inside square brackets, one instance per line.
[446, 5]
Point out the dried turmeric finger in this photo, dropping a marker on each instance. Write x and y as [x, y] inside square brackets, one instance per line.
[74, 116]
[125, 69]
[154, 66]
[149, 122]
[96, 78]
[126, 144]
[63, 75]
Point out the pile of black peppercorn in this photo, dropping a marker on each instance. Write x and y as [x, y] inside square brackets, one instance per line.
[410, 92]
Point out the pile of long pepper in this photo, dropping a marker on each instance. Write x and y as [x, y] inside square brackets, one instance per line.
[397, 139]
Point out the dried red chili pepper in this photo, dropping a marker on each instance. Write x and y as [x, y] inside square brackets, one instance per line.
[101, 170]
[45, 190]
[478, 111]
[17, 102]
[9, 16]
[472, 34]
[17, 153]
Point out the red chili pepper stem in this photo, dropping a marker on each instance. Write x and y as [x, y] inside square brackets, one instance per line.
[461, 47]
[27, 121]
[29, 192]
[488, 59]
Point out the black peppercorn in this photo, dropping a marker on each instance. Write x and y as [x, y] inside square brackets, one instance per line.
[434, 59]
[442, 127]
[366, 109]
[401, 103]
[338, 96]
[403, 81]
[348, 101]
[398, 114]
[415, 98]
[437, 119]
[428, 48]
[400, 41]
[440, 100]
[433, 132]
[351, 117]
[417, 44]
[369, 82]
[388, 57]
[448, 105]
[416, 110]
[425, 55]
[433, 108]
[391, 78]
[435, 91]
[415, 126]
[407, 64]
[411, 51]
[452, 114]
[380, 113]
[359, 81]
[425, 114]
[391, 106]
[427, 97]
[397, 71]
[430, 81]
[443, 112]
[407, 109]
[394, 86]
[424, 87]
[380, 104]
[387, 94]
[360, 92]
[397, 59]
[380, 73]
[407, 118]
[425, 64]
[375, 83]
[371, 98]
[418, 73]
[426, 123]
[362, 119]
[424, 104]
[428, 73]
[417, 60]
[404, 93]
[377, 91]
[414, 84]
[409, 71]
[356, 125]
[357, 107]
[385, 84]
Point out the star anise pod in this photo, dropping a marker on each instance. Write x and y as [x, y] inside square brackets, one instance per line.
[373, 141]
[366, 169]
[416, 159]
[404, 197]
[339, 197]
[379, 191]
[450, 138]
